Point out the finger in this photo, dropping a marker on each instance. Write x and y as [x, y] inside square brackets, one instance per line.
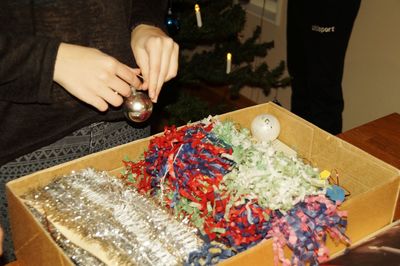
[142, 59]
[155, 54]
[97, 102]
[168, 46]
[1, 241]
[120, 86]
[135, 71]
[138, 78]
[91, 97]
[128, 75]
[173, 63]
[110, 96]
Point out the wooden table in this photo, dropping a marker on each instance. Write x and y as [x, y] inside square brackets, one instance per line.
[381, 138]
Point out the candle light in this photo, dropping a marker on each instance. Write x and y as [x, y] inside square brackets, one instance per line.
[198, 15]
[228, 63]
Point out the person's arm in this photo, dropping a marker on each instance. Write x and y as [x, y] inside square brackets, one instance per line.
[29, 66]
[93, 76]
[155, 52]
[1, 240]
[26, 68]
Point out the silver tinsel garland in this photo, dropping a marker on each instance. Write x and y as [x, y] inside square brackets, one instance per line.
[130, 228]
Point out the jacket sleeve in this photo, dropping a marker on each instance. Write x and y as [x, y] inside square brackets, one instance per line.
[151, 12]
[26, 68]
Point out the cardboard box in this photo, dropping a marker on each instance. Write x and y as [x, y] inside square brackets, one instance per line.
[380, 248]
[374, 187]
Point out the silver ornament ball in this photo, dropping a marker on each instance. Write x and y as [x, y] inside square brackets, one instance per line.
[138, 107]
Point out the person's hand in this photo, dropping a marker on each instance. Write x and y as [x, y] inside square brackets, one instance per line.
[156, 54]
[1, 240]
[94, 77]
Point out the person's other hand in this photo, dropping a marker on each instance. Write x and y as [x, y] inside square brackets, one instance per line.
[156, 54]
[94, 77]
[1, 240]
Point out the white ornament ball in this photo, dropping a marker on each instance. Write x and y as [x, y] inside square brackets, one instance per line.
[265, 127]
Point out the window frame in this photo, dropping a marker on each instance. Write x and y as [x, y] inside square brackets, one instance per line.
[272, 10]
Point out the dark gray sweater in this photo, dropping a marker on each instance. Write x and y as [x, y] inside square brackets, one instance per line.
[34, 110]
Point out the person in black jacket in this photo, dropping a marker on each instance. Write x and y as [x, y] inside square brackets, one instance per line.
[64, 69]
[317, 36]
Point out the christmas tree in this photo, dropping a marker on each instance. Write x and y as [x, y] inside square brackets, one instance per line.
[213, 53]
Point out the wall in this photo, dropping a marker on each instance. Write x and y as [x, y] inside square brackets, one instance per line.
[270, 32]
[371, 80]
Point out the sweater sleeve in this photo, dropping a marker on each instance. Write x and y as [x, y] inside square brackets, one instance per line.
[151, 12]
[26, 68]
